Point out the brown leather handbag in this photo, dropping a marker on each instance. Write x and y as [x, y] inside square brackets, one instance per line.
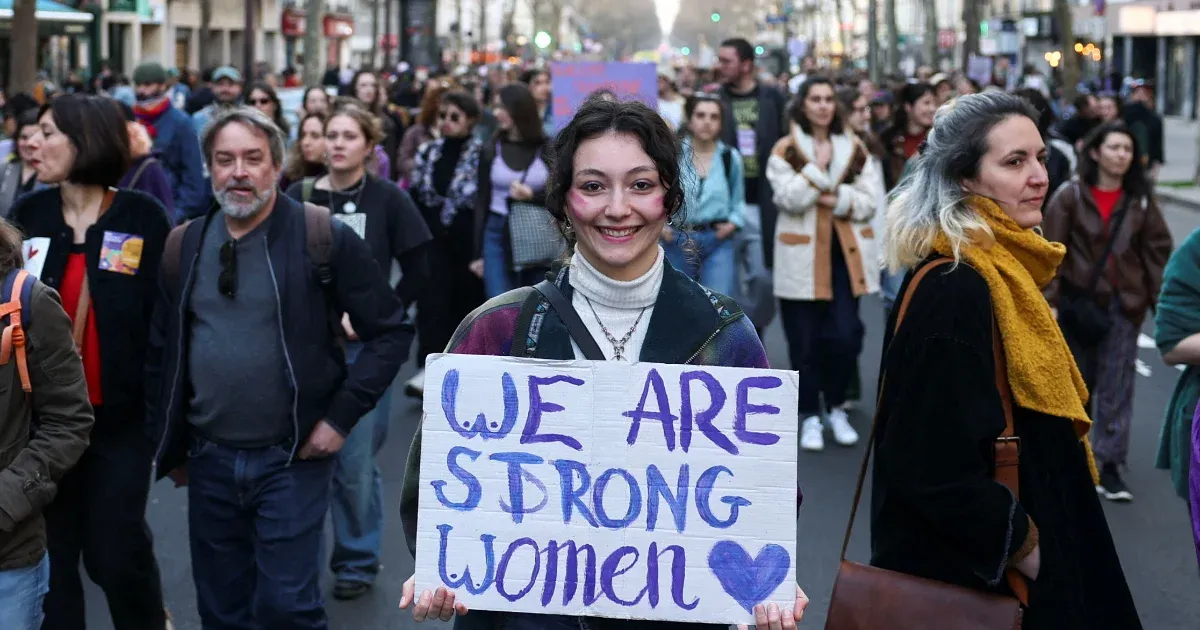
[870, 598]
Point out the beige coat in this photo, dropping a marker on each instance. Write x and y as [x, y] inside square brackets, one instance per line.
[804, 233]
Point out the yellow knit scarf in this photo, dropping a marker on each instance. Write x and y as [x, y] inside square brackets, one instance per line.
[1016, 263]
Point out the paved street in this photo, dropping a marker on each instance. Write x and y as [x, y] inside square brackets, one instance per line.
[1151, 534]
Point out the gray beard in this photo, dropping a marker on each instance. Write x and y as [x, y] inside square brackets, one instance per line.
[239, 210]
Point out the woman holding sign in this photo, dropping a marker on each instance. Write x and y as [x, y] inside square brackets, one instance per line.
[984, 476]
[614, 184]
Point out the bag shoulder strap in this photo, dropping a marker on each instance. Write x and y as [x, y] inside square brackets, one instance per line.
[862, 471]
[137, 175]
[318, 239]
[727, 162]
[1114, 228]
[575, 326]
[18, 286]
[1007, 447]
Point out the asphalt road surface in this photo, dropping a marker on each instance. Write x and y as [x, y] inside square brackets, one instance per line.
[1152, 534]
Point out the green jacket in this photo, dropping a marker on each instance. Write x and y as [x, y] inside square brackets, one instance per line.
[1178, 317]
[39, 455]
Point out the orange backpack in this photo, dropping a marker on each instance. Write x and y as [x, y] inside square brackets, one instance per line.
[18, 286]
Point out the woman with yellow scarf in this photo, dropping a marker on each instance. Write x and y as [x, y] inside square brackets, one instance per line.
[938, 509]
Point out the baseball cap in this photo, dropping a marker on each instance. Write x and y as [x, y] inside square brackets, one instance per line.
[938, 78]
[227, 72]
[149, 72]
[883, 97]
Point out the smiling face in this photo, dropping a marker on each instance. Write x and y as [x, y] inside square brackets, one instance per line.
[244, 176]
[616, 205]
[921, 112]
[1013, 171]
[53, 153]
[346, 145]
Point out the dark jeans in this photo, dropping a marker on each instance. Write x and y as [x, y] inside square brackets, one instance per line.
[99, 514]
[824, 340]
[451, 293]
[255, 525]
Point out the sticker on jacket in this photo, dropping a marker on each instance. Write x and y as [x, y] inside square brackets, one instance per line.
[35, 250]
[356, 221]
[121, 253]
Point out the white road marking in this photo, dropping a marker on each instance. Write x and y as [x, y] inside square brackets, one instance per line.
[1142, 367]
[1146, 342]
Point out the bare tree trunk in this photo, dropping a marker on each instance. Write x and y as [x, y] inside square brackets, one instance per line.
[23, 64]
[971, 23]
[208, 53]
[462, 30]
[843, 34]
[507, 25]
[873, 40]
[893, 35]
[483, 27]
[1070, 59]
[314, 52]
[373, 64]
[930, 40]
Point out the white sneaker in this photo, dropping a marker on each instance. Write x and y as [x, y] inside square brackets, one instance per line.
[415, 387]
[812, 436]
[843, 433]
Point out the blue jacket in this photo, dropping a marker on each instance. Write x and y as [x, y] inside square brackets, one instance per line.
[720, 196]
[179, 149]
[323, 386]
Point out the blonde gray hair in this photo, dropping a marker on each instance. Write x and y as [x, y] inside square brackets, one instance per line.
[929, 201]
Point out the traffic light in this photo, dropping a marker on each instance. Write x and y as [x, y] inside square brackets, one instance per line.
[759, 50]
[716, 16]
[685, 51]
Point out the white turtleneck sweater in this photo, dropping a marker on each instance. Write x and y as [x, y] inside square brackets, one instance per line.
[617, 304]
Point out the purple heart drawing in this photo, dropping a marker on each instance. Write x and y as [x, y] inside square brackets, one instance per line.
[748, 580]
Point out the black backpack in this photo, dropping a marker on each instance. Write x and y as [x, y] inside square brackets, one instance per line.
[318, 226]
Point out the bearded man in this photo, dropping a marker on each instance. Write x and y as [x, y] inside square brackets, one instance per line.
[249, 391]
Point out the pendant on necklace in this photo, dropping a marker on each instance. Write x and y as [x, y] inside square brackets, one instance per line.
[349, 207]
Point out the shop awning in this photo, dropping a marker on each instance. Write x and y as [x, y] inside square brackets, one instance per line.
[49, 11]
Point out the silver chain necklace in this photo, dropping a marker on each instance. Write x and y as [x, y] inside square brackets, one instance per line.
[617, 344]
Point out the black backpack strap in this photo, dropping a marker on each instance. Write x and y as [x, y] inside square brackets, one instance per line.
[318, 229]
[575, 326]
[306, 188]
[137, 175]
[727, 162]
[173, 254]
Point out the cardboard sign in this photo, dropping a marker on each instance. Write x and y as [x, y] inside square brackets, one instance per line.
[596, 488]
[572, 82]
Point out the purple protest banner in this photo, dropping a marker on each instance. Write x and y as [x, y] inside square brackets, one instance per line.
[573, 81]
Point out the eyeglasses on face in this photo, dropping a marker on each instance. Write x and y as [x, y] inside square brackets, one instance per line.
[227, 281]
[453, 117]
[257, 102]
